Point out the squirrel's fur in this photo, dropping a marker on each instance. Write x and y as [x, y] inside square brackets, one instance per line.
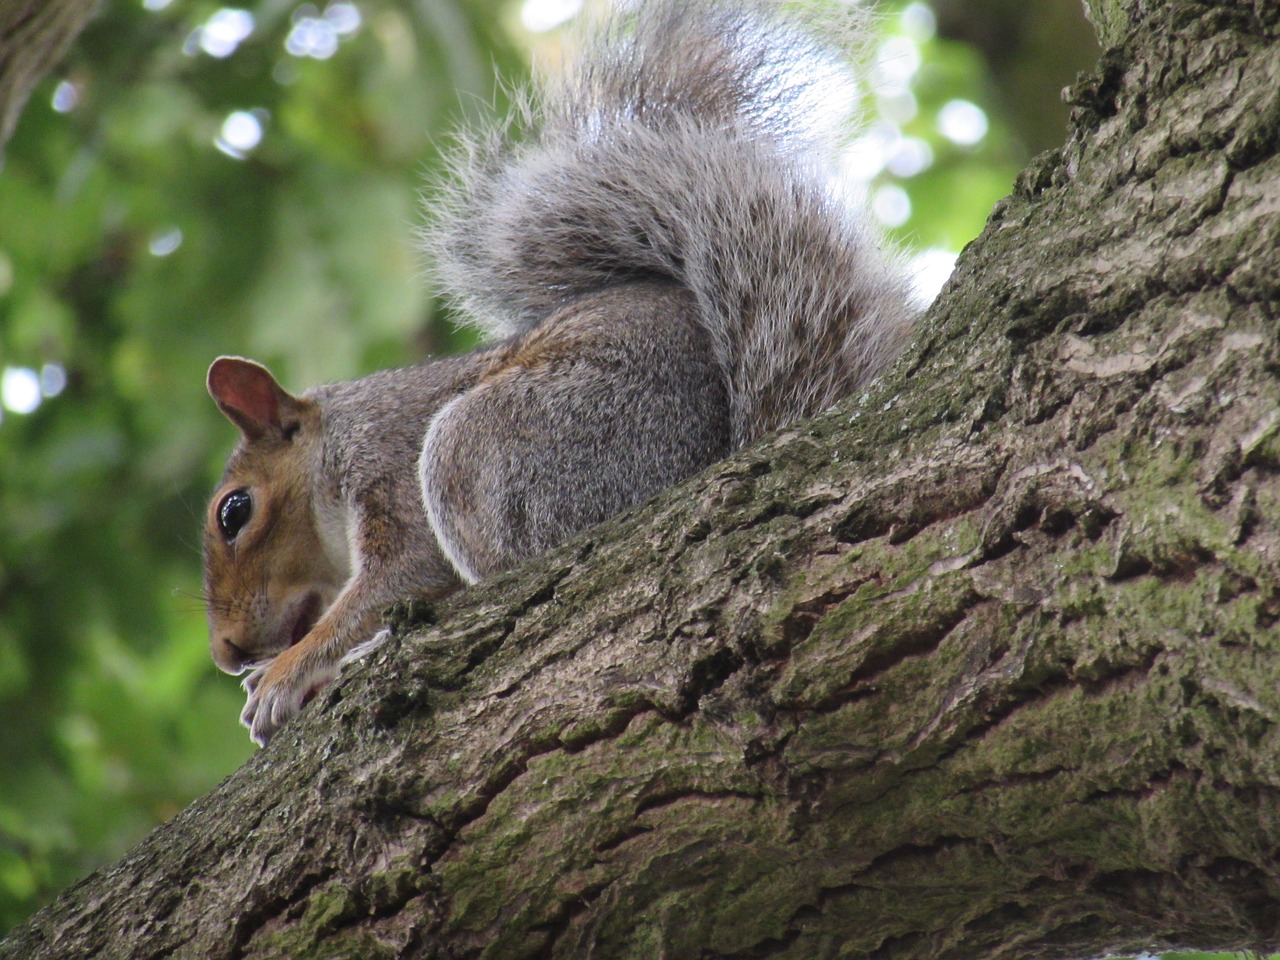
[669, 272]
[687, 143]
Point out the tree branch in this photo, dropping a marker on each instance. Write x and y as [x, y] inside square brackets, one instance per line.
[34, 35]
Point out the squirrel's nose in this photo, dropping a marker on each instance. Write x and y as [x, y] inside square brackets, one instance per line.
[228, 657]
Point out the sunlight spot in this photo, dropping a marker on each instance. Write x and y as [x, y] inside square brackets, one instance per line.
[20, 389]
[866, 156]
[66, 95]
[53, 379]
[897, 62]
[240, 133]
[312, 37]
[542, 15]
[919, 22]
[164, 243]
[891, 205]
[317, 35]
[225, 31]
[962, 122]
[911, 156]
[345, 17]
[930, 270]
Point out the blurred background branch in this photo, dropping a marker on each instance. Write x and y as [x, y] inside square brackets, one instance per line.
[34, 34]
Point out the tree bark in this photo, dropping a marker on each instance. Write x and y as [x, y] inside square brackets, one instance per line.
[34, 34]
[982, 663]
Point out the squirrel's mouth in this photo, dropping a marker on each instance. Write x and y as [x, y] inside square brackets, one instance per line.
[308, 615]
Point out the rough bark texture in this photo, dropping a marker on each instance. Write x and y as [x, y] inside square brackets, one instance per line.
[34, 34]
[983, 663]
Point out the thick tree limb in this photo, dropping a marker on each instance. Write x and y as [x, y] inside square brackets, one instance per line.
[983, 663]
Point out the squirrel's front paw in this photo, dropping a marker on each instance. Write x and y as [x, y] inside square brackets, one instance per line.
[277, 691]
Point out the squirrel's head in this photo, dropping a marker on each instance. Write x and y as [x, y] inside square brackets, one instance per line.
[272, 562]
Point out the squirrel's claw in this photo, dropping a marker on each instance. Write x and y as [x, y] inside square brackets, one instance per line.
[277, 691]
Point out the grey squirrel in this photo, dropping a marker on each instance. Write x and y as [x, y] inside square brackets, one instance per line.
[666, 272]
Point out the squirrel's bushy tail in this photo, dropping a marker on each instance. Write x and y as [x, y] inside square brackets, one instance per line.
[687, 143]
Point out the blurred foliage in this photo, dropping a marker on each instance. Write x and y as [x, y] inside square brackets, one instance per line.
[1031, 50]
[133, 250]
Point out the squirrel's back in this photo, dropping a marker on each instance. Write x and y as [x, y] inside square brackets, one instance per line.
[688, 142]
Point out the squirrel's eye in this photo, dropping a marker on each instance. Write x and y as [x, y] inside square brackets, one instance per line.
[234, 512]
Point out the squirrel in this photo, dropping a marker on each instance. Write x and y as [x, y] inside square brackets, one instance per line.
[665, 272]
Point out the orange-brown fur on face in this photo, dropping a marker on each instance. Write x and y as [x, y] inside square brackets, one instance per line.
[276, 575]
[337, 531]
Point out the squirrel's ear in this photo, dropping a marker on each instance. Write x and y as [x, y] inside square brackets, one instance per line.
[250, 397]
